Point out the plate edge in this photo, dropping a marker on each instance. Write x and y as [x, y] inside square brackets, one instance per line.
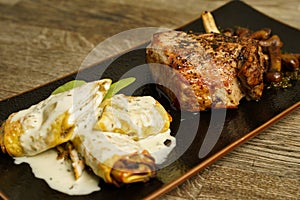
[210, 160]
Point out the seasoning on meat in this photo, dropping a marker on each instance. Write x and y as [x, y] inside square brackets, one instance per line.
[203, 71]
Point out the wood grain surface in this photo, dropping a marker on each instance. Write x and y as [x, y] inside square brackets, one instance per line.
[41, 41]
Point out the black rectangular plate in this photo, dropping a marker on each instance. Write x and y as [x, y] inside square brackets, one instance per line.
[18, 182]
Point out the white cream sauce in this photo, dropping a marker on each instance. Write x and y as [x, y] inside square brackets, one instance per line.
[37, 120]
[138, 116]
[101, 145]
[105, 145]
[59, 174]
[156, 146]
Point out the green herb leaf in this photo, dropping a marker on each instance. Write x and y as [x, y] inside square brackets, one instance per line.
[117, 86]
[68, 86]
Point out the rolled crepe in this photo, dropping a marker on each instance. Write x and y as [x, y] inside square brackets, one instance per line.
[127, 153]
[117, 157]
[138, 117]
[50, 122]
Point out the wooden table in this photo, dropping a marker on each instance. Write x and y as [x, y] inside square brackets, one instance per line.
[44, 40]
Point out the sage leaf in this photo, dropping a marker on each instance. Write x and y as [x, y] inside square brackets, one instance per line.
[68, 86]
[117, 86]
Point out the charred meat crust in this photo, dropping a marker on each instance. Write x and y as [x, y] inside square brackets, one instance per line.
[203, 71]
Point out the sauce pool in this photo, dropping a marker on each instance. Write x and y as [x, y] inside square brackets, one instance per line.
[59, 174]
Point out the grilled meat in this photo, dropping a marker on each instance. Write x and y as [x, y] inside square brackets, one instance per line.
[203, 71]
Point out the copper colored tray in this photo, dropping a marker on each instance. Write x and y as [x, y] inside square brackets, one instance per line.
[233, 129]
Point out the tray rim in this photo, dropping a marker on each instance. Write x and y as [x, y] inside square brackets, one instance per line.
[211, 159]
[227, 149]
